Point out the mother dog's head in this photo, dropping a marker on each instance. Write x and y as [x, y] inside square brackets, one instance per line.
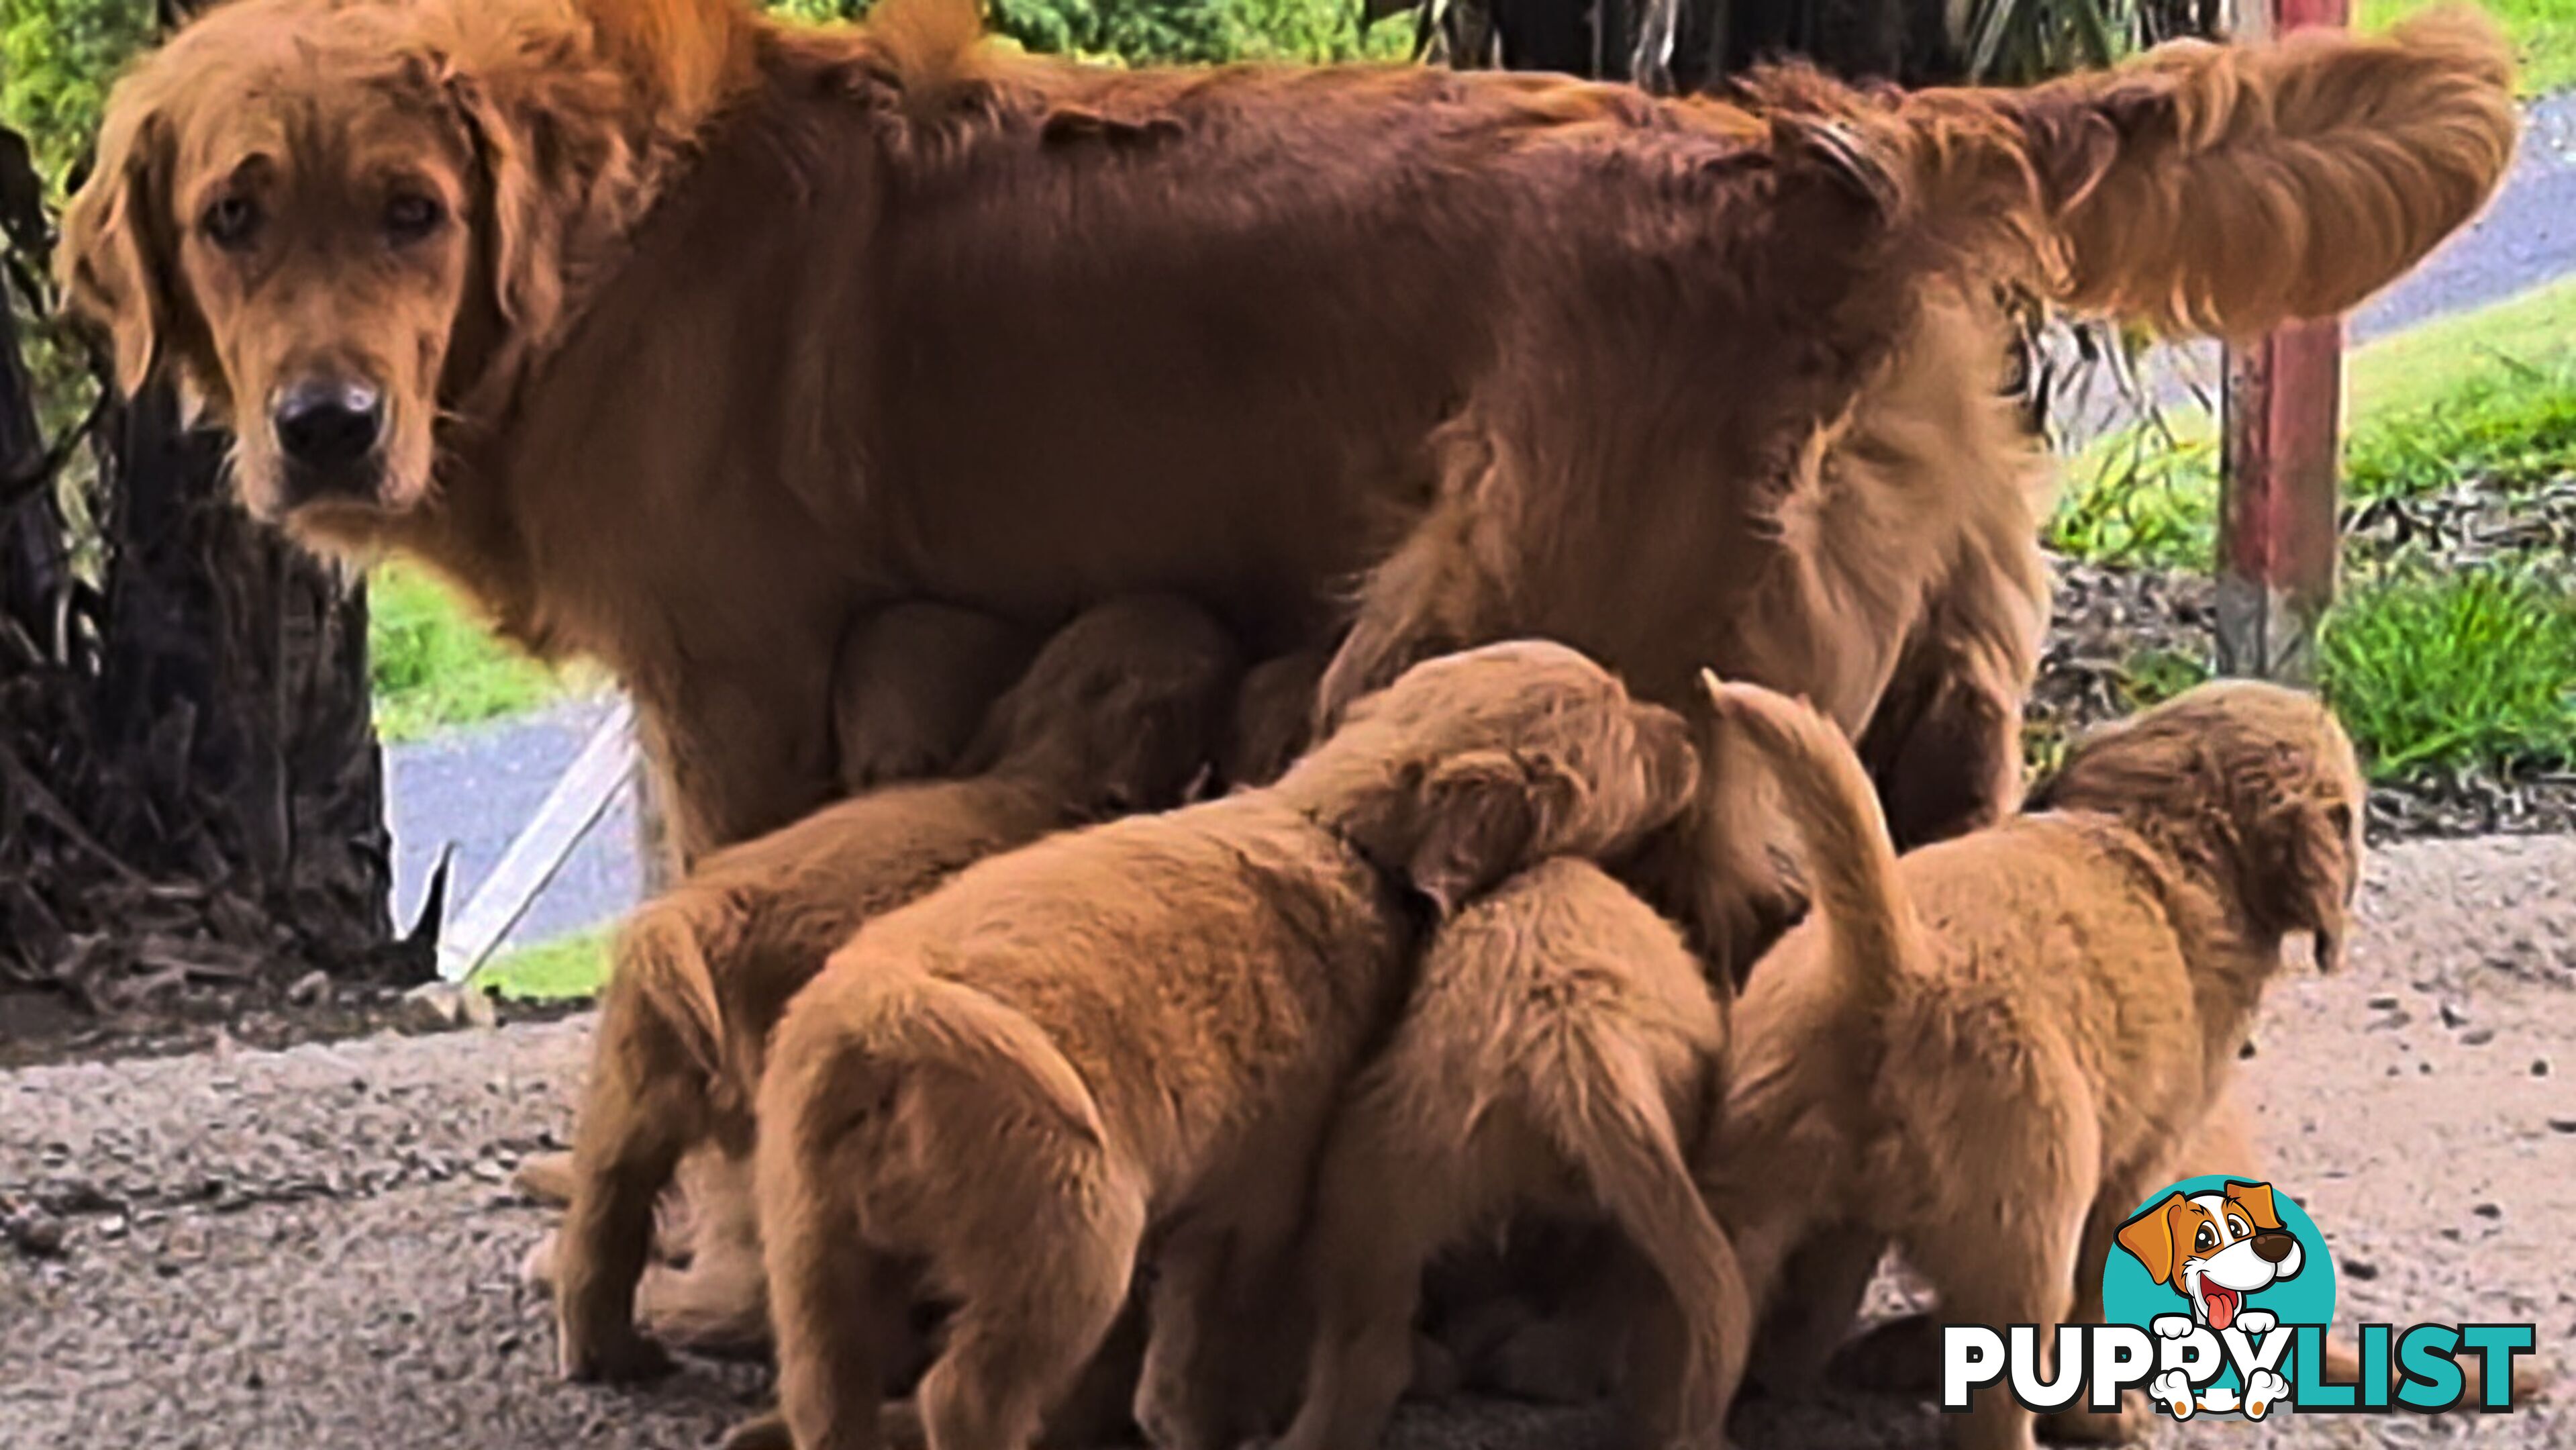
[331, 222]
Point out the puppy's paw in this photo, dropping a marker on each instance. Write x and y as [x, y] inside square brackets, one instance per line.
[537, 1270]
[760, 1432]
[2172, 1326]
[2256, 1322]
[2263, 1391]
[614, 1359]
[2173, 1388]
[545, 1177]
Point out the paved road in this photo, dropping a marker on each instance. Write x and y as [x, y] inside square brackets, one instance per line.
[317, 1248]
[478, 787]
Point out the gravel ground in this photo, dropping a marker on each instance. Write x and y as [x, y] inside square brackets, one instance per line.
[319, 1246]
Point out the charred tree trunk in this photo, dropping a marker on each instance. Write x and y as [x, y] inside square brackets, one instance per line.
[191, 794]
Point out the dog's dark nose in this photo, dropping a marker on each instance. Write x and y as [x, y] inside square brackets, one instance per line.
[2273, 1246]
[327, 426]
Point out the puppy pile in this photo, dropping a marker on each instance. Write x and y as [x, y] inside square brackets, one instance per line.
[1100, 1092]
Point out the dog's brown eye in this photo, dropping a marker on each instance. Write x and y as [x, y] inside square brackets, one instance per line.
[410, 216]
[231, 221]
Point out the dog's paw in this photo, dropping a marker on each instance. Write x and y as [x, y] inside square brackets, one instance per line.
[2173, 1389]
[2219, 1399]
[2257, 1322]
[615, 1359]
[2263, 1391]
[537, 1270]
[2172, 1326]
[545, 1177]
[760, 1432]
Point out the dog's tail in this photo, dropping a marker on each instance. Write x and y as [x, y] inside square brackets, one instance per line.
[1601, 1104]
[2205, 188]
[888, 1021]
[661, 957]
[1850, 859]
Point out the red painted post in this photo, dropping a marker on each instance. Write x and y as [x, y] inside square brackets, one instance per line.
[2280, 468]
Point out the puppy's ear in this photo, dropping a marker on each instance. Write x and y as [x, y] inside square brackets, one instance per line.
[118, 262]
[1672, 762]
[2149, 1237]
[2305, 871]
[2257, 1198]
[1479, 818]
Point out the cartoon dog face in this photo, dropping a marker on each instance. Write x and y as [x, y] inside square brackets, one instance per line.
[2214, 1249]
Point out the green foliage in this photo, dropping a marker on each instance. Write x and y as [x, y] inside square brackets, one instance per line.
[57, 59]
[2146, 497]
[434, 664]
[566, 969]
[2473, 671]
[2543, 32]
[1143, 32]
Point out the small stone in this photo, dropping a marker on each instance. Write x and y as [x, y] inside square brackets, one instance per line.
[2361, 1269]
[2384, 1004]
[2453, 1016]
[2246, 1053]
[36, 1233]
[2562, 1125]
[311, 989]
[2540, 1067]
[481, 1008]
[2478, 1037]
[2489, 1211]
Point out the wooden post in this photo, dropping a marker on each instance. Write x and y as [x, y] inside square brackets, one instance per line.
[2279, 469]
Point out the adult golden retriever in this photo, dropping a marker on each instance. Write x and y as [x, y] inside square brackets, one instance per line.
[679, 337]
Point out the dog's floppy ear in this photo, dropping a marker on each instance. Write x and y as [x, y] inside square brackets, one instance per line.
[2257, 1198]
[1477, 818]
[2149, 1237]
[118, 260]
[2305, 869]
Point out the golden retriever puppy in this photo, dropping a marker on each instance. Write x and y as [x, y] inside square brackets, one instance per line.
[1119, 710]
[1989, 1051]
[1560, 1049]
[1273, 718]
[911, 684]
[1136, 1033]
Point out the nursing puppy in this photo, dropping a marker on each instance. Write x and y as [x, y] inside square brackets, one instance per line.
[1119, 711]
[910, 685]
[1139, 1031]
[1988, 1052]
[1559, 1050]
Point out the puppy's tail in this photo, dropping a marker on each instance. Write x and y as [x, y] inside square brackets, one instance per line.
[886, 1022]
[2206, 188]
[662, 959]
[1602, 1105]
[1850, 859]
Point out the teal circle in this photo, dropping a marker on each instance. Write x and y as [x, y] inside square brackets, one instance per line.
[2131, 1296]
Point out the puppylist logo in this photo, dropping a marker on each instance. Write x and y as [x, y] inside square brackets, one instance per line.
[2216, 1295]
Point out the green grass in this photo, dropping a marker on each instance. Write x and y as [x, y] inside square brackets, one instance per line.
[434, 664]
[2434, 674]
[2488, 395]
[2543, 33]
[565, 969]
[2474, 671]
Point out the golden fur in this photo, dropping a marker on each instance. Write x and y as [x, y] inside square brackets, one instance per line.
[1138, 1031]
[1560, 1049]
[1988, 1051]
[726, 332]
[1118, 712]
